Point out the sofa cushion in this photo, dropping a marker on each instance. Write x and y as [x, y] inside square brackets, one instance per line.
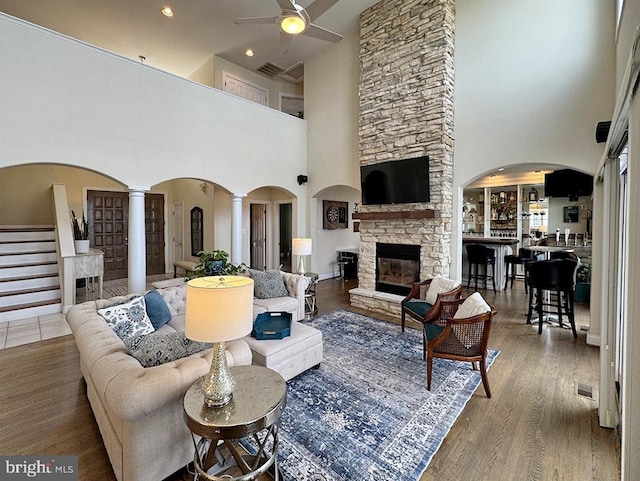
[155, 349]
[157, 309]
[128, 319]
[268, 284]
[277, 304]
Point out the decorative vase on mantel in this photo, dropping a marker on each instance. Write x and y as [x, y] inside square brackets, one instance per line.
[81, 245]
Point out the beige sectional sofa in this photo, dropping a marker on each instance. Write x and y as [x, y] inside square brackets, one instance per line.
[139, 409]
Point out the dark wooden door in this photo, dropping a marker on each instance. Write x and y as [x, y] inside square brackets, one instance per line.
[107, 214]
[154, 232]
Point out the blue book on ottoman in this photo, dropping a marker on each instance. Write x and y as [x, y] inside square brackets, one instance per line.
[272, 325]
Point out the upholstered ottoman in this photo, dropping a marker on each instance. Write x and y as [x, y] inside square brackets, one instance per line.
[292, 355]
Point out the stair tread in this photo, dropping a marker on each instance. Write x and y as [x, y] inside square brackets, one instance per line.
[27, 241]
[27, 229]
[30, 304]
[26, 278]
[28, 264]
[29, 291]
[27, 253]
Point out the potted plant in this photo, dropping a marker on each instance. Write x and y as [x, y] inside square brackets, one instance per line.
[80, 233]
[215, 263]
[583, 282]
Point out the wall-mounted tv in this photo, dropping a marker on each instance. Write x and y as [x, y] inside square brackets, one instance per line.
[396, 182]
[567, 183]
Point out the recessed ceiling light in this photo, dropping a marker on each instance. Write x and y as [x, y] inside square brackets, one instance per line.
[167, 12]
[249, 53]
[500, 169]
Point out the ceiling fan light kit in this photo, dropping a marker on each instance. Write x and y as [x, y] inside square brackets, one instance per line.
[294, 19]
[293, 25]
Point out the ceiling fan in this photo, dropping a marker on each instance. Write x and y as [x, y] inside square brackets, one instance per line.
[294, 19]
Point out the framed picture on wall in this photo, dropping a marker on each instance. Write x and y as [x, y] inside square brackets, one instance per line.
[334, 214]
[570, 213]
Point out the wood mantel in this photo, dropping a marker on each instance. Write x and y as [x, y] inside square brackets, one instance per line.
[402, 214]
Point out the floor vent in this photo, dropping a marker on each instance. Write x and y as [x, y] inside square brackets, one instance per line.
[584, 390]
[584, 328]
[270, 69]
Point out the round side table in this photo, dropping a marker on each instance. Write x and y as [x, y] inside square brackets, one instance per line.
[258, 401]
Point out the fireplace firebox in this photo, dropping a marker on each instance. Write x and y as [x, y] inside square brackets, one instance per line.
[397, 267]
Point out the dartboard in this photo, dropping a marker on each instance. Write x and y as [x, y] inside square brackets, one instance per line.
[332, 214]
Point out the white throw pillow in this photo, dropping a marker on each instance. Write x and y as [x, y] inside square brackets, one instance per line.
[438, 285]
[472, 306]
[128, 319]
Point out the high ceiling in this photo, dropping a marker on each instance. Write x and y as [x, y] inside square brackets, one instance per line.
[198, 29]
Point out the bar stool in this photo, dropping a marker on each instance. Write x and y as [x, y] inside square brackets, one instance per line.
[558, 277]
[479, 255]
[524, 257]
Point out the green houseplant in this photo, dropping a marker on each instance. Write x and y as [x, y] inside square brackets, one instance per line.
[583, 282]
[215, 263]
[80, 233]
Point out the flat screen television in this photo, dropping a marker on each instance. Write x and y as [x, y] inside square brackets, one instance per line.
[567, 183]
[396, 182]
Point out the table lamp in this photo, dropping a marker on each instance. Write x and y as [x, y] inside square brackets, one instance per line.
[218, 309]
[301, 247]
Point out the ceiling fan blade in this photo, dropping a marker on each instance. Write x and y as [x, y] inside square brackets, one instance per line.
[287, 4]
[285, 43]
[318, 7]
[254, 20]
[322, 34]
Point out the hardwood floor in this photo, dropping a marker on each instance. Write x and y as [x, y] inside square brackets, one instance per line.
[535, 427]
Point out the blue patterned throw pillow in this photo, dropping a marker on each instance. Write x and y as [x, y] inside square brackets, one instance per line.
[268, 284]
[128, 319]
[156, 349]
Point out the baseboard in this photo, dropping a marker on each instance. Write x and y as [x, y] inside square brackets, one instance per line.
[593, 340]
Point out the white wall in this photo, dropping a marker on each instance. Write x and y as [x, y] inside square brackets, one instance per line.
[326, 242]
[69, 103]
[332, 111]
[532, 81]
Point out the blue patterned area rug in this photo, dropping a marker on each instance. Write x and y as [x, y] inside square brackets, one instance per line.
[366, 413]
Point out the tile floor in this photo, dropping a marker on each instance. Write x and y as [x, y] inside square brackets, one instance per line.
[33, 329]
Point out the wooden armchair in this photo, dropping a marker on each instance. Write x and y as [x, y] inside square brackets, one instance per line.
[415, 306]
[462, 339]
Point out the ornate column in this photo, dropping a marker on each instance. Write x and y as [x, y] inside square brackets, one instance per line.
[236, 228]
[137, 253]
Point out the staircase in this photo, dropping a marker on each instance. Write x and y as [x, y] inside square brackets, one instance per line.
[29, 282]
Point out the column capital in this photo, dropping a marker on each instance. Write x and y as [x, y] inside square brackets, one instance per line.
[138, 188]
[237, 195]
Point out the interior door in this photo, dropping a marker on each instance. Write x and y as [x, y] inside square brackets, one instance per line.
[258, 219]
[178, 231]
[154, 232]
[285, 236]
[107, 214]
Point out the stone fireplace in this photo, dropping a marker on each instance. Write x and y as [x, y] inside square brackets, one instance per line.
[406, 111]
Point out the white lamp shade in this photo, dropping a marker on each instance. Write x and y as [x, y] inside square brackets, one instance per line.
[301, 246]
[219, 308]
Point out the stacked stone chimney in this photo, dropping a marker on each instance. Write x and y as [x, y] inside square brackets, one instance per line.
[406, 110]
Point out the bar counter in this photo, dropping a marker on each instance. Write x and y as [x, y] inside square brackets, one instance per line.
[502, 245]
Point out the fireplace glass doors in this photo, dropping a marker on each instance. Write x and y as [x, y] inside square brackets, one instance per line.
[397, 267]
